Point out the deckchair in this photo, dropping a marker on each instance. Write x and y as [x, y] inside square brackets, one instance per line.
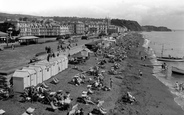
[44, 85]
[2, 112]
[53, 106]
[30, 110]
[55, 81]
[102, 110]
[74, 109]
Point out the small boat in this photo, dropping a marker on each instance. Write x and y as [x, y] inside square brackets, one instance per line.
[170, 59]
[177, 70]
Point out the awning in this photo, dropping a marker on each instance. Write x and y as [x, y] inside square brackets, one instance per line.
[2, 34]
[28, 37]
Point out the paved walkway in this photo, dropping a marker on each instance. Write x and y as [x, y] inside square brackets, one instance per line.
[11, 59]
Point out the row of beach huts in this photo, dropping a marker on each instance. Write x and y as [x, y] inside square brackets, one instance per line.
[36, 73]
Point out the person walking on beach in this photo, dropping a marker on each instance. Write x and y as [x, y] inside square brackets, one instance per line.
[13, 47]
[111, 82]
[140, 73]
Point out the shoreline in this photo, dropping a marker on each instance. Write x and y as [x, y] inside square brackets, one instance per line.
[153, 96]
[152, 54]
[176, 95]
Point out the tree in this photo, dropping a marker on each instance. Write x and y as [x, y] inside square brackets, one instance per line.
[6, 25]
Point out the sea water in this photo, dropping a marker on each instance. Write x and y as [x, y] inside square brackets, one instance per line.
[170, 43]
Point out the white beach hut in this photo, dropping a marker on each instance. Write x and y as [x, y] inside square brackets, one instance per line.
[62, 59]
[65, 61]
[51, 64]
[32, 77]
[55, 65]
[39, 73]
[21, 80]
[46, 68]
[59, 64]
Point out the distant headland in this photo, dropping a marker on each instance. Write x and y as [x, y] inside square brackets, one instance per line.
[154, 28]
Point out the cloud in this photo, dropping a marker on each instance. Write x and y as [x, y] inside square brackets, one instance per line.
[155, 12]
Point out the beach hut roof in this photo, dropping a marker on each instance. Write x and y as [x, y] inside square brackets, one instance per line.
[36, 68]
[57, 59]
[20, 73]
[46, 64]
[30, 71]
[38, 65]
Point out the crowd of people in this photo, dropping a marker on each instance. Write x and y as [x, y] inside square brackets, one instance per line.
[94, 78]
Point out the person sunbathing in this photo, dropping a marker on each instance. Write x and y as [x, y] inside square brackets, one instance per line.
[88, 100]
[100, 103]
[130, 97]
[90, 91]
[79, 112]
[76, 81]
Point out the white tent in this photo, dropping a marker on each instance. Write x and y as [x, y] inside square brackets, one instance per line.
[21, 80]
[32, 73]
[39, 73]
[47, 68]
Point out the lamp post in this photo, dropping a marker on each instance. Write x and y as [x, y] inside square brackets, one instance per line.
[9, 31]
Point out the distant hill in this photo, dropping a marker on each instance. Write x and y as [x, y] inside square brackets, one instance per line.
[131, 25]
[154, 28]
[82, 19]
[4, 16]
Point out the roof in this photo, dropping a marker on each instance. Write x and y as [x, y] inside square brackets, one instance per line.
[37, 68]
[28, 37]
[46, 64]
[20, 73]
[29, 70]
[39, 65]
[2, 34]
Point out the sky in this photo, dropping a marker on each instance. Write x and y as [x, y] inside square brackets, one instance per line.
[169, 13]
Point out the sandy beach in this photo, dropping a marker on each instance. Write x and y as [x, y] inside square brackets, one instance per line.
[152, 97]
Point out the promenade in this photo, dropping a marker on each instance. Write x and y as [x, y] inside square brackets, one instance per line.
[10, 59]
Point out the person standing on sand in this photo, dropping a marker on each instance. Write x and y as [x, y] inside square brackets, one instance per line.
[177, 86]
